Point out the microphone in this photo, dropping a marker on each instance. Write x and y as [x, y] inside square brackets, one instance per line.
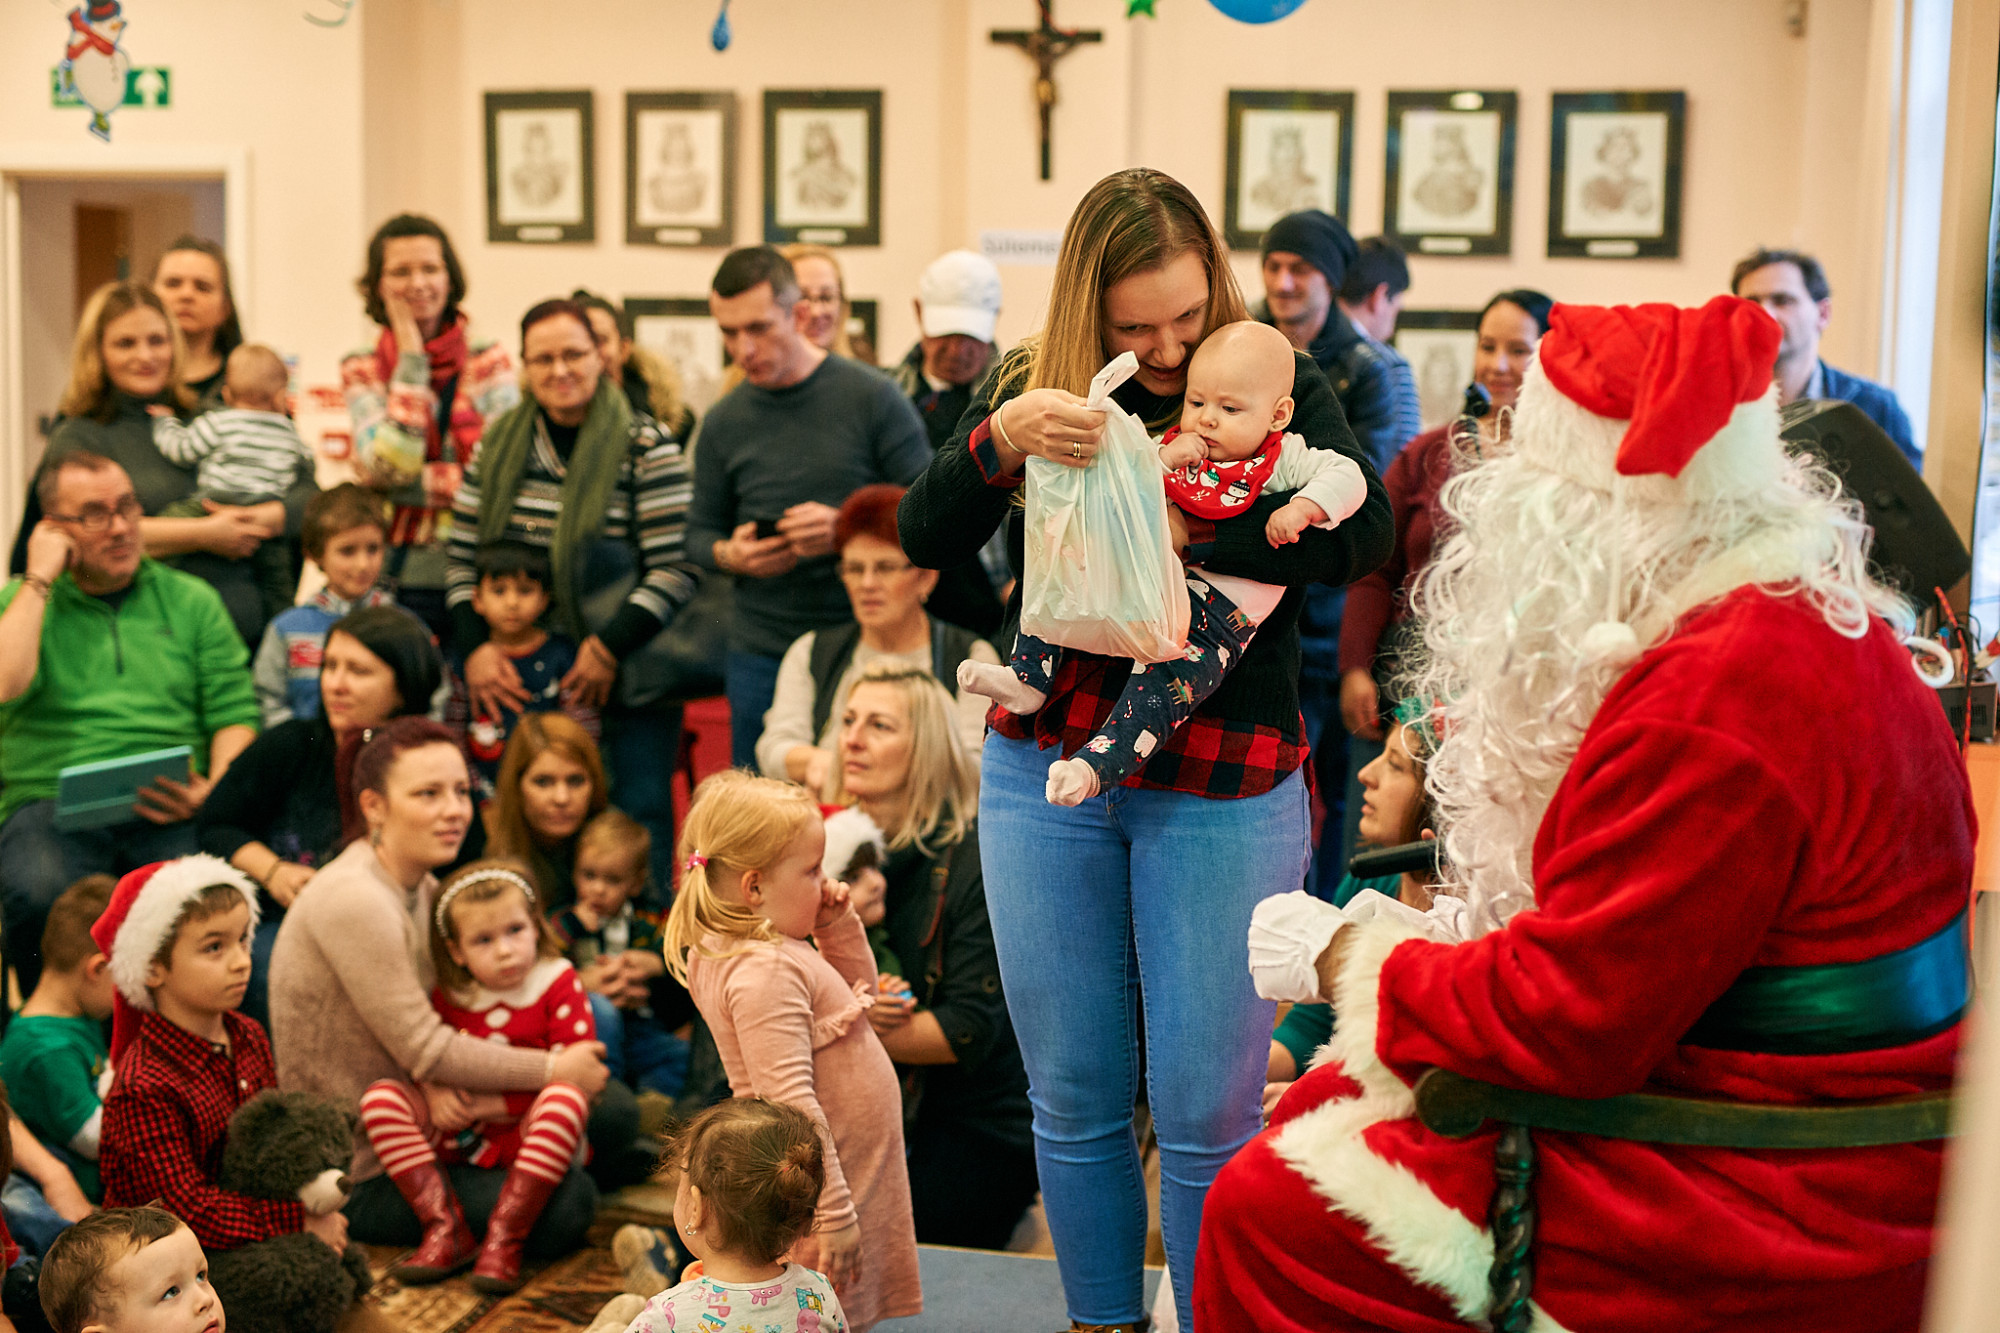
[1423, 857]
[1478, 402]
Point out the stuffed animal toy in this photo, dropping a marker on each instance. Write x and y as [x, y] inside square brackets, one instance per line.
[289, 1145]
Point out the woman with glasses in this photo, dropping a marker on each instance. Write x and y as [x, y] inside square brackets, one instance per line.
[802, 728]
[419, 399]
[574, 472]
[823, 292]
[127, 364]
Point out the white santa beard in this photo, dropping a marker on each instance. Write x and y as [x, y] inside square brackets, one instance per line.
[1527, 569]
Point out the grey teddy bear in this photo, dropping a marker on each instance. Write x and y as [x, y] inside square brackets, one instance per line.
[289, 1145]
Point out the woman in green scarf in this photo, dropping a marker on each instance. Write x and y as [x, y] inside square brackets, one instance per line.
[573, 471]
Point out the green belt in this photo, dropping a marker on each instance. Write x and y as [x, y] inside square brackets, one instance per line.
[1837, 1008]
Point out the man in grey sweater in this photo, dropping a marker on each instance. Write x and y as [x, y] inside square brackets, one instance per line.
[776, 458]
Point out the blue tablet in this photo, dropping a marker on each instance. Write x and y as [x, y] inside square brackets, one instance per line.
[97, 795]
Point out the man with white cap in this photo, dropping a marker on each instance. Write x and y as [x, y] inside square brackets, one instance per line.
[958, 303]
[1709, 838]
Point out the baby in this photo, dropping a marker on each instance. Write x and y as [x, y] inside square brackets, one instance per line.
[125, 1270]
[1229, 448]
[243, 454]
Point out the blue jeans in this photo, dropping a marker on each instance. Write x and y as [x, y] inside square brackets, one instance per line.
[30, 1220]
[749, 680]
[641, 748]
[637, 1050]
[1133, 898]
[37, 863]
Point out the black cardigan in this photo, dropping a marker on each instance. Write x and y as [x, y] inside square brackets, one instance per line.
[936, 923]
[280, 792]
[951, 511]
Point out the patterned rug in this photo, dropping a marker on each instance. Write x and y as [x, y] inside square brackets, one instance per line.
[559, 1298]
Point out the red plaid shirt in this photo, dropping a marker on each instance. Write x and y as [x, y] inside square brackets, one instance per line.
[164, 1125]
[1209, 756]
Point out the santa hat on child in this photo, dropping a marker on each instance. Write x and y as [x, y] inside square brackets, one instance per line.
[1655, 404]
[848, 830]
[140, 919]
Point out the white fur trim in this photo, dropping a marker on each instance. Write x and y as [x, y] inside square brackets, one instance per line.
[1428, 1239]
[847, 832]
[1357, 1013]
[154, 912]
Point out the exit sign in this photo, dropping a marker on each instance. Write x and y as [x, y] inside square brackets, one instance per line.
[145, 85]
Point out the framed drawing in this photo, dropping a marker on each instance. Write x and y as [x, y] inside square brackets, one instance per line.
[680, 330]
[823, 167]
[1615, 175]
[540, 187]
[1450, 187]
[1439, 345]
[680, 169]
[1287, 151]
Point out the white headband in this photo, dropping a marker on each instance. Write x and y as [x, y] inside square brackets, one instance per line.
[479, 877]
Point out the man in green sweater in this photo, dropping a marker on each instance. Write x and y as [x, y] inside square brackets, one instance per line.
[104, 655]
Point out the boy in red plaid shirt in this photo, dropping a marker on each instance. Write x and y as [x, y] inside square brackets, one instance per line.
[178, 936]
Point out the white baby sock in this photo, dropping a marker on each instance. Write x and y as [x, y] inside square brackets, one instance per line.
[1071, 782]
[1001, 685]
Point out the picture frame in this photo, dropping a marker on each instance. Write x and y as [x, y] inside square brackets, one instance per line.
[1439, 345]
[1450, 172]
[863, 317]
[1286, 151]
[680, 169]
[823, 166]
[1615, 171]
[681, 330]
[541, 185]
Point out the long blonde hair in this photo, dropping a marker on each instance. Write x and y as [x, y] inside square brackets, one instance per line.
[1133, 221]
[797, 250]
[941, 794]
[739, 822]
[666, 396]
[88, 393]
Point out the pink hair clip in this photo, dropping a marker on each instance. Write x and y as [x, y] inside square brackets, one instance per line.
[696, 861]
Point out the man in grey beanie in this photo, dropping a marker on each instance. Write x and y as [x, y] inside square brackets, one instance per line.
[1306, 256]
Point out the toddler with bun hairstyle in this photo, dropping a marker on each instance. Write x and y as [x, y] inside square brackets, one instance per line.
[790, 1022]
[747, 1177]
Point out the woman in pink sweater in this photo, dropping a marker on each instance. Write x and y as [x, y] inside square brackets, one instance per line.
[350, 985]
[789, 1021]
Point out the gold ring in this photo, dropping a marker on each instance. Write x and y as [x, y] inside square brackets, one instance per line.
[1075, 449]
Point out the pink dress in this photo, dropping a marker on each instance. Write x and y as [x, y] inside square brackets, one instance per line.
[791, 1029]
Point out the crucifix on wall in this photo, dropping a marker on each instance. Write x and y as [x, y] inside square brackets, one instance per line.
[1045, 45]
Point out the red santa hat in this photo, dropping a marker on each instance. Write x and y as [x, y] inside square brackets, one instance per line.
[848, 830]
[1676, 376]
[140, 919]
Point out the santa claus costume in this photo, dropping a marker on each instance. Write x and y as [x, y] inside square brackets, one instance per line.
[1681, 739]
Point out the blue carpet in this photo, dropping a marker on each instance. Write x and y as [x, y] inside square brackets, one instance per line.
[981, 1291]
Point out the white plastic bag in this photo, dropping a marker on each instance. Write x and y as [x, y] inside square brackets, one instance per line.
[1102, 576]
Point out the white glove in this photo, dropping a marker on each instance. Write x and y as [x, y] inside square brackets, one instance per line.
[1447, 922]
[1288, 933]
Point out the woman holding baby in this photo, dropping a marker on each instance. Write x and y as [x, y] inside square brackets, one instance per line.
[1139, 895]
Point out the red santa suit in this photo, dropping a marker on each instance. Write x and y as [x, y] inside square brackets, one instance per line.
[547, 1011]
[1755, 790]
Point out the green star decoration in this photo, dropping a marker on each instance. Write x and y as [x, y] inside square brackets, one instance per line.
[1134, 8]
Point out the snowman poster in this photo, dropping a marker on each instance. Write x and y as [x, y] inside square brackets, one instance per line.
[94, 65]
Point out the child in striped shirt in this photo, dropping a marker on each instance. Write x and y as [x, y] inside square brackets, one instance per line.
[243, 454]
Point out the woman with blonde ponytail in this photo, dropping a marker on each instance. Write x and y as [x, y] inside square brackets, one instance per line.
[790, 1025]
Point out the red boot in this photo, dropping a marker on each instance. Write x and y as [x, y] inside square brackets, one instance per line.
[448, 1244]
[521, 1201]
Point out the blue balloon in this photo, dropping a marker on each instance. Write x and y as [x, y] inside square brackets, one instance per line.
[1257, 11]
[718, 36]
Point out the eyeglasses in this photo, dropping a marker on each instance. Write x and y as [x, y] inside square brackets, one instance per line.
[97, 518]
[881, 569]
[820, 298]
[569, 360]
